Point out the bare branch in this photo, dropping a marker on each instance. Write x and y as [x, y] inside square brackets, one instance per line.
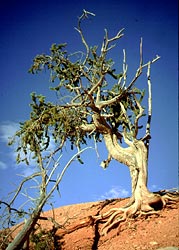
[98, 96]
[56, 164]
[84, 15]
[141, 53]
[95, 146]
[141, 111]
[149, 100]
[139, 71]
[63, 172]
[21, 185]
[147, 136]
[98, 84]
[105, 46]
[45, 194]
[126, 116]
[124, 69]
[88, 127]
[104, 164]
[100, 105]
[127, 120]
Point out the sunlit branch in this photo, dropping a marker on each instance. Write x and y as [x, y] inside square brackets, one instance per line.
[104, 164]
[147, 134]
[107, 115]
[141, 111]
[59, 178]
[127, 120]
[126, 140]
[149, 104]
[56, 164]
[95, 146]
[139, 72]
[107, 41]
[98, 95]
[126, 116]
[124, 69]
[84, 73]
[88, 127]
[98, 84]
[84, 15]
[21, 185]
[141, 53]
[103, 104]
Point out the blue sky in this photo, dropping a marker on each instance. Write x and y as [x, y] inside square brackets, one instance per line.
[29, 28]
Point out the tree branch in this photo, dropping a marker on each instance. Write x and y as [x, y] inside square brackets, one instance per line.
[141, 111]
[147, 136]
[21, 185]
[125, 67]
[88, 127]
[23, 235]
[107, 41]
[84, 15]
[100, 105]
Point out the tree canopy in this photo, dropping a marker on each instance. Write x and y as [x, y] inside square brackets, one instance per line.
[92, 98]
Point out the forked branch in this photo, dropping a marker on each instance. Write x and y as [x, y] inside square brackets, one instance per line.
[84, 15]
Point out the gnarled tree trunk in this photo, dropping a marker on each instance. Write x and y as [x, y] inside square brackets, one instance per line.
[136, 158]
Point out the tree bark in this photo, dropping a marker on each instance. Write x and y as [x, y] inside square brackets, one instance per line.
[135, 157]
[24, 234]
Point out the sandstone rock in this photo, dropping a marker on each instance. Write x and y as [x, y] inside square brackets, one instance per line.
[168, 248]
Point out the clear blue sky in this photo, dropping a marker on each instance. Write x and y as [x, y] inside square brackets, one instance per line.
[28, 28]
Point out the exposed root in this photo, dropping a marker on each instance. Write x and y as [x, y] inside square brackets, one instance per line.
[169, 197]
[120, 215]
[148, 205]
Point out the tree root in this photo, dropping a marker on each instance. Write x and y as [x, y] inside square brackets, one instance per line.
[146, 206]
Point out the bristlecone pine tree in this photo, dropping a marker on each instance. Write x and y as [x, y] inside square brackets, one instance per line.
[96, 103]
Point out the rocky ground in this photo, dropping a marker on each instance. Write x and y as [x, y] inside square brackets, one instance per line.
[76, 229]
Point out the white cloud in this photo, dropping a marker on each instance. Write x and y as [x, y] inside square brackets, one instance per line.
[154, 188]
[27, 170]
[115, 192]
[7, 130]
[3, 165]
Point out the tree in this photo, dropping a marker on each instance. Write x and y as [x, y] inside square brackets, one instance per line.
[47, 180]
[95, 102]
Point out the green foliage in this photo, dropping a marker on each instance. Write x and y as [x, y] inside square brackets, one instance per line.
[60, 66]
[43, 240]
[47, 122]
[86, 82]
[128, 100]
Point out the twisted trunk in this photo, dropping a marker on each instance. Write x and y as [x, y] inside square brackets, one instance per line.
[136, 158]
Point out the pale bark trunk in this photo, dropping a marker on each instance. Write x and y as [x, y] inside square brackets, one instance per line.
[23, 235]
[122, 155]
[140, 175]
[136, 158]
